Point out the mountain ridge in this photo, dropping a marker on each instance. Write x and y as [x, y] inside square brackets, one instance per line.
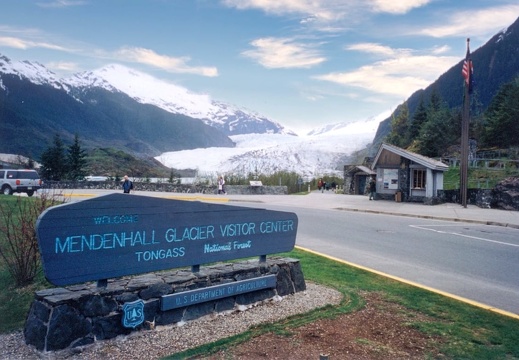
[495, 63]
[146, 89]
[34, 108]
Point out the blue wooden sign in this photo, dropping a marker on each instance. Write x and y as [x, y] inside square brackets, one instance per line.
[120, 234]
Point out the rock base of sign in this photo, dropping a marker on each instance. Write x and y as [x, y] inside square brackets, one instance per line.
[79, 315]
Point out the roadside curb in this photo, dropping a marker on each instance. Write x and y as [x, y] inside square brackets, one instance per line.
[432, 217]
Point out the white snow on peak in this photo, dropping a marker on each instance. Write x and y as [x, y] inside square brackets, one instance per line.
[147, 89]
[502, 34]
[360, 127]
[33, 71]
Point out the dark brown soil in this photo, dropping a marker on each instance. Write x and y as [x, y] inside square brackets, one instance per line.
[381, 330]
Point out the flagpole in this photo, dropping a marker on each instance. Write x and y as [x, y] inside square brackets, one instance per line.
[465, 119]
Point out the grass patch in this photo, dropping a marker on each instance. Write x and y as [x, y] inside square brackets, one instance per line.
[469, 332]
[15, 302]
[479, 178]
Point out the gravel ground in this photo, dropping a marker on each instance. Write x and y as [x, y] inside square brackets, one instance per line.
[167, 340]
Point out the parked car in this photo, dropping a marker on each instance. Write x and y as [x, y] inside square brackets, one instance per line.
[19, 181]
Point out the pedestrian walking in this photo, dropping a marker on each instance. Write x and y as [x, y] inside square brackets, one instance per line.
[221, 185]
[127, 185]
[372, 189]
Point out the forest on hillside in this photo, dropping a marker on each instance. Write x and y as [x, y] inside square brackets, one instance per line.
[434, 129]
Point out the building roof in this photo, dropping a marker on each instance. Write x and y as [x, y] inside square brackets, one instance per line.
[417, 158]
[359, 169]
[366, 169]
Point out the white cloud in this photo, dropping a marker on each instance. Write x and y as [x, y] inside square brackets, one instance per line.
[167, 63]
[322, 11]
[61, 3]
[19, 43]
[63, 66]
[441, 49]
[372, 48]
[274, 53]
[397, 6]
[400, 74]
[374, 79]
[32, 38]
[484, 22]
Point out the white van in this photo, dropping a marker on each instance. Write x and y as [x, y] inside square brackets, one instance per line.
[19, 181]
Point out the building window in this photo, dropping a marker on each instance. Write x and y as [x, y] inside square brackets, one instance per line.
[419, 177]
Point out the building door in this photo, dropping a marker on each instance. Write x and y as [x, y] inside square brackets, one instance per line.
[362, 184]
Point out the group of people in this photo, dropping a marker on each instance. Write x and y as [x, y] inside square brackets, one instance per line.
[128, 185]
[323, 185]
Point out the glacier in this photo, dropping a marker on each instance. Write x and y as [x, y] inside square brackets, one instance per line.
[311, 156]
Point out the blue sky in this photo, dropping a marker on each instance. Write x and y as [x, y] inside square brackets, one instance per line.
[303, 63]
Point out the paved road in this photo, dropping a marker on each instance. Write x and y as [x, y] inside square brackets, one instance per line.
[470, 260]
[445, 247]
[474, 261]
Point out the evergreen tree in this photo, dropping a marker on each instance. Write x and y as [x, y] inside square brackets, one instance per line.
[435, 102]
[53, 161]
[501, 124]
[440, 129]
[76, 161]
[399, 127]
[438, 133]
[419, 118]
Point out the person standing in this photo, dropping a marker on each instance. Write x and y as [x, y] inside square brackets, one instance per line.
[320, 184]
[127, 185]
[372, 189]
[221, 185]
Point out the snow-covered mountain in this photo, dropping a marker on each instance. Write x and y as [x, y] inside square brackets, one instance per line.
[33, 71]
[146, 89]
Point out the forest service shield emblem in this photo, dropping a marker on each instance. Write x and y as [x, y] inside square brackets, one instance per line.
[133, 313]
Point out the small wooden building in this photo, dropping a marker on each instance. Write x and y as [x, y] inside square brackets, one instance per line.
[406, 176]
[356, 178]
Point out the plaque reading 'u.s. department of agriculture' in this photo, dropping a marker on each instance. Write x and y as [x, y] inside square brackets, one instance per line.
[119, 234]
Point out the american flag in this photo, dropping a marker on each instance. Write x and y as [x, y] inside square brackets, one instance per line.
[468, 70]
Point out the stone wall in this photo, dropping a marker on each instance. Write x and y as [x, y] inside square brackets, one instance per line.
[504, 195]
[479, 197]
[82, 314]
[349, 176]
[168, 187]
